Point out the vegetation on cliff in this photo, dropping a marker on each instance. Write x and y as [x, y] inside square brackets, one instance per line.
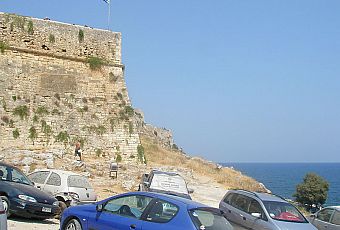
[230, 178]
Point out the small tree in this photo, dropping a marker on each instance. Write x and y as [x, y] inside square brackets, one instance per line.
[313, 190]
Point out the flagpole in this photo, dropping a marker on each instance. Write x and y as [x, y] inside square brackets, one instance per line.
[109, 16]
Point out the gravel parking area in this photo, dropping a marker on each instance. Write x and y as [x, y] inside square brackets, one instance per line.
[16, 223]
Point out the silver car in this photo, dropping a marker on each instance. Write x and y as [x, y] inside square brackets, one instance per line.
[3, 217]
[260, 211]
[327, 218]
[68, 187]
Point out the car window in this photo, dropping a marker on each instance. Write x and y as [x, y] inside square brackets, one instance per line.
[255, 207]
[336, 218]
[209, 220]
[39, 177]
[242, 202]
[12, 174]
[228, 198]
[130, 206]
[284, 211]
[54, 179]
[78, 182]
[162, 212]
[325, 214]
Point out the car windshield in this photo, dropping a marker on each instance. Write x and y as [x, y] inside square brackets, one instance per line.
[284, 212]
[209, 219]
[13, 175]
[78, 182]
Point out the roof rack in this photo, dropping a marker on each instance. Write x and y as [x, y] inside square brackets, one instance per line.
[250, 192]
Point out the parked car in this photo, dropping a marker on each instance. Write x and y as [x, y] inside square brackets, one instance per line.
[3, 216]
[260, 211]
[327, 218]
[165, 182]
[144, 210]
[67, 187]
[20, 197]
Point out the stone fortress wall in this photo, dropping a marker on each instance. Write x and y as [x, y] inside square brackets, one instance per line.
[60, 83]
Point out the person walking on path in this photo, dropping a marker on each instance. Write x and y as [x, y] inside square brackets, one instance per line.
[77, 151]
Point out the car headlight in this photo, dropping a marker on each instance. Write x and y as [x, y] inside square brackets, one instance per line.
[56, 203]
[27, 198]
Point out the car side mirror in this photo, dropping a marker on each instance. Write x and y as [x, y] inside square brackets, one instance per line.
[256, 214]
[190, 190]
[146, 183]
[99, 207]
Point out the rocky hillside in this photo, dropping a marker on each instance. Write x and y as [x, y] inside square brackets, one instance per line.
[208, 179]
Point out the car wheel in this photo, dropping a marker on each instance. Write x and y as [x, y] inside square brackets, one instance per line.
[73, 224]
[6, 204]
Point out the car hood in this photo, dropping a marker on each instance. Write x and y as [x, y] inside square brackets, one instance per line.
[30, 190]
[282, 225]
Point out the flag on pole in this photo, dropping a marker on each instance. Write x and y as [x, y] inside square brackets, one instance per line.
[109, 14]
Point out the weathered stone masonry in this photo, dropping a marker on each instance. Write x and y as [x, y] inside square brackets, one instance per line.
[49, 95]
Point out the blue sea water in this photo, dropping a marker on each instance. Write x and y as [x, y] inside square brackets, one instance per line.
[282, 178]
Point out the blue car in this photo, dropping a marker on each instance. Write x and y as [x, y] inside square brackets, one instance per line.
[144, 211]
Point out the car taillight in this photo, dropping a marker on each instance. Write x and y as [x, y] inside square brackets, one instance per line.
[2, 212]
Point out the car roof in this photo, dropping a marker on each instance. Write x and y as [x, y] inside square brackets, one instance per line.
[63, 172]
[262, 196]
[190, 204]
[335, 207]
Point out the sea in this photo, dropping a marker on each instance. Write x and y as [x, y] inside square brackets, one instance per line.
[282, 178]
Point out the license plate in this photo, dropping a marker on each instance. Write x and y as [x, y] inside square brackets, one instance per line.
[44, 209]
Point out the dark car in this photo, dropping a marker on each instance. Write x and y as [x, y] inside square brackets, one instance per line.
[20, 197]
[144, 210]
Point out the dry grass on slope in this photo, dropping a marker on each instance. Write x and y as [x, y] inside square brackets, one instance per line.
[230, 178]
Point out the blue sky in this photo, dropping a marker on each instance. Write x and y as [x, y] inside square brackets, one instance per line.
[236, 81]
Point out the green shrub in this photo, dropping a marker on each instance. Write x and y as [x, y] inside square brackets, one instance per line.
[141, 155]
[129, 111]
[118, 158]
[46, 129]
[99, 152]
[81, 35]
[16, 133]
[95, 62]
[51, 38]
[35, 118]
[30, 27]
[14, 98]
[63, 137]
[4, 105]
[32, 133]
[3, 47]
[21, 111]
[130, 128]
[55, 112]
[41, 110]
